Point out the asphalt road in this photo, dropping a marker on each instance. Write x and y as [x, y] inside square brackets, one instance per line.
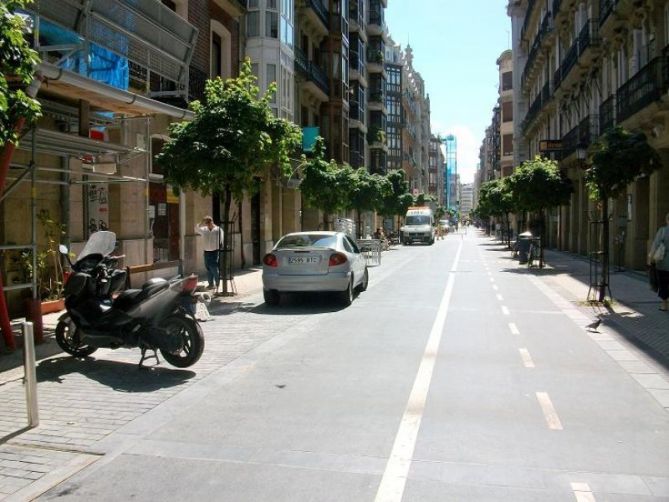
[452, 378]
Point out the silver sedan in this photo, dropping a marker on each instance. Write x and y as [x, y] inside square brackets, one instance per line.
[314, 262]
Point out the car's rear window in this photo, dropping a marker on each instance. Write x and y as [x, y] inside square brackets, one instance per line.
[307, 240]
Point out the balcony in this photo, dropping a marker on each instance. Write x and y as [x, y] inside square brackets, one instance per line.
[357, 17]
[358, 69]
[316, 80]
[545, 30]
[375, 58]
[528, 16]
[580, 136]
[569, 61]
[144, 34]
[588, 37]
[377, 22]
[607, 111]
[319, 11]
[606, 7]
[647, 86]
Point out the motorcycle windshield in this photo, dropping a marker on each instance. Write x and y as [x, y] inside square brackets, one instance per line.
[101, 242]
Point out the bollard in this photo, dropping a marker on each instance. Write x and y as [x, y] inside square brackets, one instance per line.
[30, 374]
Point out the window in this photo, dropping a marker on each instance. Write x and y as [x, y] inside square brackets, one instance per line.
[507, 111]
[507, 145]
[507, 81]
[253, 24]
[271, 24]
[216, 55]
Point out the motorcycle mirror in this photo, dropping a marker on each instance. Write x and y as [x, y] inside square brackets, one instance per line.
[63, 249]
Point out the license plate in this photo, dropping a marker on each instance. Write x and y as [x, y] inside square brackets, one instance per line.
[302, 260]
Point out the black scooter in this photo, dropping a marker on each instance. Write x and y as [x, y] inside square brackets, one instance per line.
[155, 317]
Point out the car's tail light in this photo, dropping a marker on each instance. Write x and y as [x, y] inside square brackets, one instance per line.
[270, 260]
[189, 284]
[337, 259]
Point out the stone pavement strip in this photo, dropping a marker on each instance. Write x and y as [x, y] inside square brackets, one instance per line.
[81, 402]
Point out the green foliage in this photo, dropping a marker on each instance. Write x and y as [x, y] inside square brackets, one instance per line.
[439, 212]
[17, 68]
[368, 191]
[376, 135]
[496, 198]
[616, 160]
[325, 185]
[539, 184]
[398, 199]
[233, 139]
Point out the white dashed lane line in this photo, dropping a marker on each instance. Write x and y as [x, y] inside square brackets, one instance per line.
[551, 416]
[582, 492]
[527, 359]
[505, 310]
[514, 329]
[500, 297]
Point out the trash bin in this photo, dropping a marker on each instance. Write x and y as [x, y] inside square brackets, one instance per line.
[523, 246]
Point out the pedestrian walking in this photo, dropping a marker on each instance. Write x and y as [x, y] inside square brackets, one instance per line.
[213, 240]
[659, 257]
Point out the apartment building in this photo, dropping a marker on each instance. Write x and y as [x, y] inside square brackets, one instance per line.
[586, 66]
[435, 173]
[505, 103]
[394, 92]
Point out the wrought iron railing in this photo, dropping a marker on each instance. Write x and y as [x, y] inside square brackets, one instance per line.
[607, 111]
[605, 9]
[588, 37]
[569, 60]
[528, 15]
[570, 142]
[311, 71]
[648, 85]
[320, 9]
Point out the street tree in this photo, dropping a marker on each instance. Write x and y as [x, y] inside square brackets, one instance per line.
[18, 106]
[617, 159]
[367, 192]
[537, 185]
[496, 199]
[398, 199]
[325, 184]
[231, 143]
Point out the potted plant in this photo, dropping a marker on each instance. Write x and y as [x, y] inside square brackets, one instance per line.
[49, 273]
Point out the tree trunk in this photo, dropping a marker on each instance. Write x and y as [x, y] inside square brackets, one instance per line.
[224, 260]
[508, 230]
[603, 285]
[326, 224]
[241, 234]
[358, 223]
[542, 236]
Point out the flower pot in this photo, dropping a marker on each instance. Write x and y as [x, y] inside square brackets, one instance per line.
[51, 306]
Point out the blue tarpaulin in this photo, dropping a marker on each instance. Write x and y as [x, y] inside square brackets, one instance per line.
[100, 64]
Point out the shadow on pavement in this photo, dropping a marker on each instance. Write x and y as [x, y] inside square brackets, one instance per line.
[119, 375]
[302, 304]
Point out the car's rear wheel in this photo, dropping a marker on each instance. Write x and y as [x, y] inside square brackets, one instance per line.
[365, 281]
[346, 296]
[271, 297]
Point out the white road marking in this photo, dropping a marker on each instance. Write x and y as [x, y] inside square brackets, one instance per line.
[514, 328]
[582, 492]
[395, 475]
[505, 310]
[527, 359]
[500, 298]
[492, 279]
[550, 414]
[495, 287]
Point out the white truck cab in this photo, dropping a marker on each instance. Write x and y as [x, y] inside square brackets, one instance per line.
[418, 226]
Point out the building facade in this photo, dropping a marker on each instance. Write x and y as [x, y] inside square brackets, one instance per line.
[587, 66]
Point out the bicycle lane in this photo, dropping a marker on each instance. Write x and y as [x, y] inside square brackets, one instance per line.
[524, 405]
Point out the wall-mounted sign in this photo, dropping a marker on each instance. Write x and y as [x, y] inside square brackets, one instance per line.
[309, 135]
[98, 207]
[550, 145]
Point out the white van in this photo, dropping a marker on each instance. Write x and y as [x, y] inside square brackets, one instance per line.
[418, 226]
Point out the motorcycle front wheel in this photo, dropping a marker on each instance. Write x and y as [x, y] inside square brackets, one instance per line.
[67, 338]
[191, 338]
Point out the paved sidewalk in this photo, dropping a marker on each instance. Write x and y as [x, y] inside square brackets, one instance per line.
[81, 402]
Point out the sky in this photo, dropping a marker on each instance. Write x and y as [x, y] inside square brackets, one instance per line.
[456, 45]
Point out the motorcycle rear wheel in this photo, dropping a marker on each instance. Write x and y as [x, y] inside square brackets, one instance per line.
[192, 337]
[67, 339]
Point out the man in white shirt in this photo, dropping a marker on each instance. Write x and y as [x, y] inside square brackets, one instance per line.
[213, 240]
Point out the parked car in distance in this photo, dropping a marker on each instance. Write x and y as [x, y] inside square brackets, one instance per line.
[314, 262]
